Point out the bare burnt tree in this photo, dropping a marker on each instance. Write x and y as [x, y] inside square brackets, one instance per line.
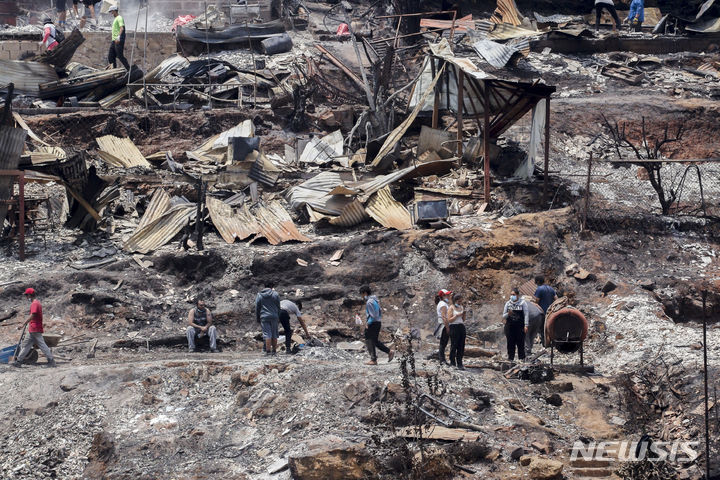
[645, 153]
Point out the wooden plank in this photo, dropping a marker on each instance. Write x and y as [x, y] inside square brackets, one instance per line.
[436, 432]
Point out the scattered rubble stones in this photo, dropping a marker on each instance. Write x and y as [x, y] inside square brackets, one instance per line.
[544, 469]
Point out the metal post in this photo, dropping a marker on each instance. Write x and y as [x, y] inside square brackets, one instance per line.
[436, 102]
[460, 107]
[705, 373]
[547, 150]
[587, 193]
[21, 214]
[486, 139]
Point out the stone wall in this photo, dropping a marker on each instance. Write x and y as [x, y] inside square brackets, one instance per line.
[93, 52]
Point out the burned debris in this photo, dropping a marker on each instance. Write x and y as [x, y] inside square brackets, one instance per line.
[499, 179]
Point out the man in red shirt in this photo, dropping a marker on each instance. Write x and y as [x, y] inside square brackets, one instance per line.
[35, 331]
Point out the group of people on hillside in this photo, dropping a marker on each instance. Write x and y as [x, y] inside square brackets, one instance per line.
[523, 322]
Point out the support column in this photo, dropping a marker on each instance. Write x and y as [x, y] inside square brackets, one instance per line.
[486, 138]
[547, 150]
[460, 107]
[21, 214]
[436, 102]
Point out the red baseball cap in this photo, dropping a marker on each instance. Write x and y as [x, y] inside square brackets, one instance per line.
[29, 291]
[444, 292]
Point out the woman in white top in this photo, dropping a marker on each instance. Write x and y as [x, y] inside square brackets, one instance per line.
[442, 300]
[456, 323]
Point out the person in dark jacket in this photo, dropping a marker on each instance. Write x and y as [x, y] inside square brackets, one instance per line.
[267, 313]
[373, 313]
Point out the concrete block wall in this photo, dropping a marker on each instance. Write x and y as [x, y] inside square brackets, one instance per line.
[93, 52]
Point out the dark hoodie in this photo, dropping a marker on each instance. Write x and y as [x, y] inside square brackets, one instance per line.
[267, 305]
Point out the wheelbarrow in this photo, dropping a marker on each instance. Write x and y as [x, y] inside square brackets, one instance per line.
[51, 340]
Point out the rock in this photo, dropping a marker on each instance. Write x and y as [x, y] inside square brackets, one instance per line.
[648, 284]
[561, 387]
[608, 287]
[543, 446]
[525, 460]
[617, 421]
[467, 209]
[696, 346]
[554, 399]
[331, 458]
[516, 404]
[545, 469]
[517, 453]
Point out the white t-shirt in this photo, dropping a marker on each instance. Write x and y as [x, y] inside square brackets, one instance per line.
[291, 308]
[455, 309]
[441, 304]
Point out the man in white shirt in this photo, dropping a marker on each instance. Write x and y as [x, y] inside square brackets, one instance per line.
[610, 7]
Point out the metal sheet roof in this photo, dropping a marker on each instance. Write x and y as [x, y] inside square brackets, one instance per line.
[276, 225]
[496, 54]
[162, 229]
[387, 211]
[352, 214]
[159, 204]
[231, 223]
[27, 76]
[506, 12]
[120, 152]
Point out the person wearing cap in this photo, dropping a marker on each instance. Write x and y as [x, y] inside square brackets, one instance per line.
[49, 33]
[442, 332]
[516, 315]
[200, 323]
[35, 332]
[373, 314]
[117, 40]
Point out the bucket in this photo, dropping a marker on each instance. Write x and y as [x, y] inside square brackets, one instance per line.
[6, 353]
[279, 44]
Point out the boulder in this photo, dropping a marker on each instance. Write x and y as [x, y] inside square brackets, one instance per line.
[545, 469]
[331, 458]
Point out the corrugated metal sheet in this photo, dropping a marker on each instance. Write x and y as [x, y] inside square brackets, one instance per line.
[314, 192]
[321, 151]
[506, 12]
[246, 128]
[231, 223]
[504, 31]
[496, 54]
[352, 214]
[461, 25]
[12, 142]
[263, 171]
[276, 225]
[159, 204]
[27, 76]
[153, 76]
[387, 211]
[120, 152]
[161, 230]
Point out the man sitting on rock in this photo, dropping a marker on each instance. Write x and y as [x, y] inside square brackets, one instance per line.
[200, 320]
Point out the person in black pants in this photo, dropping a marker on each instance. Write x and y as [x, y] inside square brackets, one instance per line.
[117, 41]
[610, 7]
[442, 302]
[373, 313]
[456, 321]
[517, 320]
